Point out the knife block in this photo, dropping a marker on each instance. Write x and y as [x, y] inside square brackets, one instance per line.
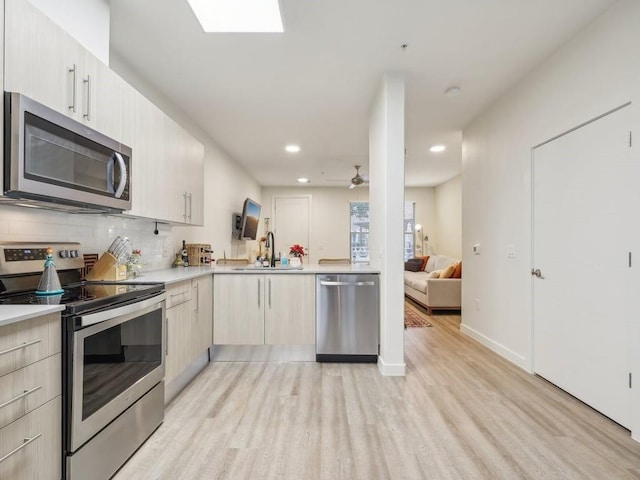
[106, 268]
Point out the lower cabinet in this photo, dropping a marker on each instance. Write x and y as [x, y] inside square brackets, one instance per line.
[290, 309]
[264, 309]
[189, 323]
[238, 317]
[202, 300]
[30, 401]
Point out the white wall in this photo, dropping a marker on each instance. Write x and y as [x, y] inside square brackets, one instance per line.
[85, 20]
[597, 70]
[94, 232]
[448, 207]
[329, 219]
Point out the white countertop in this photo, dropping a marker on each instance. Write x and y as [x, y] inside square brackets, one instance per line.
[16, 313]
[174, 275]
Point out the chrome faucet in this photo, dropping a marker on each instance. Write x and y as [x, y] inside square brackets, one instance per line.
[271, 243]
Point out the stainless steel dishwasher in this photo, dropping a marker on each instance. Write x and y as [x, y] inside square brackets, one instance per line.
[347, 318]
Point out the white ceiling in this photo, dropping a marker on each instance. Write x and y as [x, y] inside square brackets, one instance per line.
[314, 84]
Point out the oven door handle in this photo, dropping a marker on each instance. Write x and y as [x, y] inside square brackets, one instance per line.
[93, 318]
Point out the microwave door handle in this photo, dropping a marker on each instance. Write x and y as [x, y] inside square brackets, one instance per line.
[123, 174]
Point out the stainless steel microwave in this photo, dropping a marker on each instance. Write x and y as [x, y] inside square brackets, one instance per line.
[51, 159]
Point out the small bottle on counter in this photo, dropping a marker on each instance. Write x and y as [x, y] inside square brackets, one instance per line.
[185, 256]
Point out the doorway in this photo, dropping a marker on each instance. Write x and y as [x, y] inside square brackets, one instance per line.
[584, 235]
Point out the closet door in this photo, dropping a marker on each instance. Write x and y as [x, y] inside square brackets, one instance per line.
[585, 245]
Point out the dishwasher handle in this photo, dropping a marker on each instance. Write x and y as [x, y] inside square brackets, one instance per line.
[340, 284]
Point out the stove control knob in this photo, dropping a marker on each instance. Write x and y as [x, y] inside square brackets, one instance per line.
[64, 253]
[73, 253]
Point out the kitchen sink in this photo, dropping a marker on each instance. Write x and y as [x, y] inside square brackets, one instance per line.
[253, 267]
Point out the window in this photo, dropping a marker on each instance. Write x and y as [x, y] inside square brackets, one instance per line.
[409, 228]
[359, 213]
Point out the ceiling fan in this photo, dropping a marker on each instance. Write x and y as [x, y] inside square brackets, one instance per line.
[358, 179]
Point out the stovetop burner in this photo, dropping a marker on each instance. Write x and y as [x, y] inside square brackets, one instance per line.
[86, 296]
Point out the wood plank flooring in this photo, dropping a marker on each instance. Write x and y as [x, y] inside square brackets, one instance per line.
[462, 412]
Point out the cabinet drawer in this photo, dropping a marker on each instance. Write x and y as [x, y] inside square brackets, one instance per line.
[30, 387]
[30, 447]
[178, 293]
[27, 342]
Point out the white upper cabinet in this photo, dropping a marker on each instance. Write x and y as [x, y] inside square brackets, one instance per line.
[46, 64]
[167, 166]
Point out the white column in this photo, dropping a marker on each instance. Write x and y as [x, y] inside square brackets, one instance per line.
[386, 211]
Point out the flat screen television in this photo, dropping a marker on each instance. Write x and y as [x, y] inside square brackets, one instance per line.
[250, 220]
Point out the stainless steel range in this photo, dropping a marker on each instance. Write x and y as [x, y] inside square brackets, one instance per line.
[113, 337]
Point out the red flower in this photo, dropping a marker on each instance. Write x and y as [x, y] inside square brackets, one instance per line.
[297, 250]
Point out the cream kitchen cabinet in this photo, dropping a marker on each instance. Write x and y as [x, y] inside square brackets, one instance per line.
[168, 164]
[290, 309]
[202, 300]
[238, 316]
[47, 64]
[258, 309]
[30, 401]
[179, 330]
[189, 323]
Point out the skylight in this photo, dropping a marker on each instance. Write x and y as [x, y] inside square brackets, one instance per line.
[231, 16]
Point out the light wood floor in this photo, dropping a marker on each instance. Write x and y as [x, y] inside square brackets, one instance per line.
[461, 412]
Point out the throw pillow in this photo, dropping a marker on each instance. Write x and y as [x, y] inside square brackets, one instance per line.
[434, 274]
[448, 272]
[425, 259]
[412, 266]
[458, 271]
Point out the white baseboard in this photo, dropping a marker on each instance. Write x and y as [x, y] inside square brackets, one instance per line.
[501, 350]
[392, 369]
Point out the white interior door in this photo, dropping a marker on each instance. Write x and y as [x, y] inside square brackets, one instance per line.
[291, 222]
[584, 231]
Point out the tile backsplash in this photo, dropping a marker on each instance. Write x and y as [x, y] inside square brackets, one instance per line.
[94, 232]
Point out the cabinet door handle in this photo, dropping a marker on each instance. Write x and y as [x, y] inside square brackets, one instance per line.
[22, 395]
[184, 211]
[166, 344]
[197, 309]
[258, 293]
[269, 293]
[27, 441]
[87, 82]
[190, 207]
[18, 347]
[74, 95]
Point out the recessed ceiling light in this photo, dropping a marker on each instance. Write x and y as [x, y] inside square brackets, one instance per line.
[292, 148]
[303, 180]
[229, 16]
[438, 148]
[453, 91]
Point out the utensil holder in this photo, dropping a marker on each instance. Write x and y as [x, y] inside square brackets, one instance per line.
[104, 267]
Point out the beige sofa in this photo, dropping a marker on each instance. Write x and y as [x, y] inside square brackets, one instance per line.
[434, 293]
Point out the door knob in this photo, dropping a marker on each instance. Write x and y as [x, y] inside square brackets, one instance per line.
[536, 273]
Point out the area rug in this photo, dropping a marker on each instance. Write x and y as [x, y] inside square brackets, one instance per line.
[413, 319]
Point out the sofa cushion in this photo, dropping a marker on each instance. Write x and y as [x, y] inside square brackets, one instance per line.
[439, 262]
[434, 274]
[448, 272]
[417, 280]
[412, 266]
[458, 271]
[424, 259]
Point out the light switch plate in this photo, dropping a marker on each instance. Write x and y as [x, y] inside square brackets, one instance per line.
[476, 249]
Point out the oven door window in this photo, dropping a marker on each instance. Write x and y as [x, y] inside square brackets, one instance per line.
[117, 357]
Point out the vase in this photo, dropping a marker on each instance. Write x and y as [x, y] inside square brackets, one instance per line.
[295, 261]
